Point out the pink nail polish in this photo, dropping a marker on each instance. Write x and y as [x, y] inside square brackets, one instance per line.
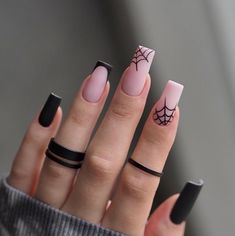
[96, 83]
[135, 77]
[166, 105]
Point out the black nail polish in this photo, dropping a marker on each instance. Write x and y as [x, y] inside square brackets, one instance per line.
[185, 201]
[104, 64]
[49, 110]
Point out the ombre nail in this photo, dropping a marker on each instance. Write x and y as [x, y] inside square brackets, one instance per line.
[49, 110]
[96, 83]
[166, 105]
[135, 77]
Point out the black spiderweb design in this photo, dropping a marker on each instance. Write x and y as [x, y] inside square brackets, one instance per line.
[164, 115]
[141, 55]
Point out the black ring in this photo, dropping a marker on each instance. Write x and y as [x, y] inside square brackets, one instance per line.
[63, 152]
[54, 158]
[138, 165]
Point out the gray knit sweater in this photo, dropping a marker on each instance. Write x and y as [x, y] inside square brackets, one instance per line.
[23, 215]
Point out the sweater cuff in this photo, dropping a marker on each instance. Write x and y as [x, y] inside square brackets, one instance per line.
[21, 214]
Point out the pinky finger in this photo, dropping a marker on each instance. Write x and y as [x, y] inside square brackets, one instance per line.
[169, 218]
[27, 164]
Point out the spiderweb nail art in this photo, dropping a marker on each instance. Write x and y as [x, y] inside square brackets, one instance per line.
[165, 115]
[141, 54]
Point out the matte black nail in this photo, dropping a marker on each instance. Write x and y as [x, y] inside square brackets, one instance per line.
[185, 201]
[104, 64]
[49, 110]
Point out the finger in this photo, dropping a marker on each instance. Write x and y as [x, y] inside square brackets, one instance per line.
[56, 179]
[132, 201]
[160, 224]
[169, 218]
[107, 152]
[29, 158]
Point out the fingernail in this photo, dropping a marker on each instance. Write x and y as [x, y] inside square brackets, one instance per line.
[49, 110]
[135, 77]
[166, 105]
[185, 201]
[96, 83]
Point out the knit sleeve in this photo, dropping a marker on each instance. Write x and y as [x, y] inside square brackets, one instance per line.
[21, 214]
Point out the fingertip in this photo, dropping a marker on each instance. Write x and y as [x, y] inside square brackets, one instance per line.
[160, 223]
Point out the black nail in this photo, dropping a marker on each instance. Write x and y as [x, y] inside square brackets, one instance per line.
[49, 110]
[185, 202]
[104, 64]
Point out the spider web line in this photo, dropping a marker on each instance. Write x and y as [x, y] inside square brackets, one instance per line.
[140, 56]
[164, 121]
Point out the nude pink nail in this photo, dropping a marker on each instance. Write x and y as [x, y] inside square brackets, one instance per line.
[166, 105]
[97, 81]
[135, 77]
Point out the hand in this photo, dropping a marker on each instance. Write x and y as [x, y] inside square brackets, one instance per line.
[104, 175]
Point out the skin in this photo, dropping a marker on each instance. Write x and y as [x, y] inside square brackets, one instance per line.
[103, 176]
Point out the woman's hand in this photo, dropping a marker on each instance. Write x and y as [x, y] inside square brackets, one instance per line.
[104, 175]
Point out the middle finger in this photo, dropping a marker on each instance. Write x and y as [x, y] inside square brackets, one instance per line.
[107, 152]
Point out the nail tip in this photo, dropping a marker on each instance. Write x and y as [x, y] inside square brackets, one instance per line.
[54, 95]
[198, 183]
[108, 66]
[175, 221]
[175, 84]
[142, 46]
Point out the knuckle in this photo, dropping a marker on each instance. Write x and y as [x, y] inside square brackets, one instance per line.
[126, 109]
[134, 186]
[54, 170]
[18, 174]
[157, 138]
[35, 139]
[79, 118]
[31, 136]
[151, 139]
[99, 167]
[80, 114]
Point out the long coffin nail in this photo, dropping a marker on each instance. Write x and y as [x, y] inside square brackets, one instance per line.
[135, 77]
[166, 105]
[185, 201]
[96, 83]
[49, 110]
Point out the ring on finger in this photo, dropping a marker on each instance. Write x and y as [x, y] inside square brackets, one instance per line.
[64, 156]
[144, 168]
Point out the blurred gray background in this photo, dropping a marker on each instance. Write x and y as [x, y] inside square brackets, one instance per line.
[52, 45]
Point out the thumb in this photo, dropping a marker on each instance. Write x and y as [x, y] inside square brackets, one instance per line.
[160, 223]
[169, 218]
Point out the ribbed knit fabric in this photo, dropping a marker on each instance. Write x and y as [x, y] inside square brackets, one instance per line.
[23, 215]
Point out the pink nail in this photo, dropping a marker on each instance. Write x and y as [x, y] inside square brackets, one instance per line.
[96, 83]
[135, 77]
[166, 105]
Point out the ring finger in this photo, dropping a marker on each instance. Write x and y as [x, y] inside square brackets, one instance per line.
[56, 180]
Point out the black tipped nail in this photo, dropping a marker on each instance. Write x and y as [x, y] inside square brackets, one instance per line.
[49, 110]
[104, 64]
[185, 202]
